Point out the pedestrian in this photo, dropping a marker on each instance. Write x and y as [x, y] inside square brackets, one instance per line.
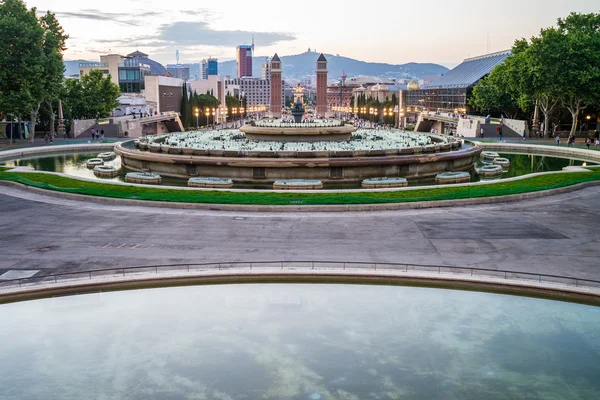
[93, 134]
[557, 138]
[46, 138]
[500, 132]
[481, 132]
[588, 142]
[597, 142]
[524, 134]
[101, 134]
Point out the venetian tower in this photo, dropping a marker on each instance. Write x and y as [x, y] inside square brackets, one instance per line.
[322, 85]
[276, 87]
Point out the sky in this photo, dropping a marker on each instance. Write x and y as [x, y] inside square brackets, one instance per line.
[391, 31]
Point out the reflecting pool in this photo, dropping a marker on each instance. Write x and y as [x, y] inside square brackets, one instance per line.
[75, 164]
[299, 341]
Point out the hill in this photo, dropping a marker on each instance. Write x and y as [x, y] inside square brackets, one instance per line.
[72, 67]
[303, 65]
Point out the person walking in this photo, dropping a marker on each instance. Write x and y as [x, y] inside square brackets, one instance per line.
[588, 142]
[101, 134]
[557, 138]
[481, 133]
[93, 134]
[500, 132]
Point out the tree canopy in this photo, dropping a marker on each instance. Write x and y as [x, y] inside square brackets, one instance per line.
[92, 96]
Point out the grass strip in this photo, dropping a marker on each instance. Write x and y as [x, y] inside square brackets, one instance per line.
[70, 185]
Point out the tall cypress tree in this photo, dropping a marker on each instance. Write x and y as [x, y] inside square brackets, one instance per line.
[184, 107]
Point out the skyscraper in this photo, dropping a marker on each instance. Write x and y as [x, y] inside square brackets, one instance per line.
[210, 66]
[243, 56]
[276, 86]
[321, 85]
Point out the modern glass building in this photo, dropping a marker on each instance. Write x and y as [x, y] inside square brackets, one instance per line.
[450, 93]
[210, 66]
[132, 74]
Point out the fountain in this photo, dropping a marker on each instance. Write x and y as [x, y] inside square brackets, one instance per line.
[328, 150]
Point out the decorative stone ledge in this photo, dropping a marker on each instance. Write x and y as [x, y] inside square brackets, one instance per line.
[149, 178]
[210, 182]
[452, 177]
[107, 156]
[490, 171]
[503, 162]
[94, 162]
[377, 183]
[297, 184]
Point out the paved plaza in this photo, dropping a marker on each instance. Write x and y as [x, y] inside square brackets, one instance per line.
[552, 235]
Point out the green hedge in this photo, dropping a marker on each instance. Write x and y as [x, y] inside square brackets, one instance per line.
[501, 188]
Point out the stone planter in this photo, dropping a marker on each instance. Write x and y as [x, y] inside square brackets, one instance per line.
[94, 162]
[488, 156]
[375, 183]
[297, 184]
[490, 171]
[446, 178]
[149, 178]
[503, 162]
[105, 171]
[108, 156]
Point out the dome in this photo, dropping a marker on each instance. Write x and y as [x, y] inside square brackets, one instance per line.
[380, 88]
[413, 85]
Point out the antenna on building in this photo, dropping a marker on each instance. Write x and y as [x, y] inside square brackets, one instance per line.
[177, 56]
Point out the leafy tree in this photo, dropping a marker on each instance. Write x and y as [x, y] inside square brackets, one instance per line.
[20, 51]
[579, 39]
[492, 94]
[93, 96]
[54, 45]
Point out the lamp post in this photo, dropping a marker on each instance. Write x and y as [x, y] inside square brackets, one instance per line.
[214, 112]
[197, 113]
[207, 113]
[587, 122]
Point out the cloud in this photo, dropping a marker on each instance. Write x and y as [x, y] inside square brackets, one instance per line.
[199, 33]
[97, 15]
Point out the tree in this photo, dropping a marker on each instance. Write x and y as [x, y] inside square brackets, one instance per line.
[93, 96]
[492, 94]
[53, 68]
[579, 38]
[185, 107]
[20, 52]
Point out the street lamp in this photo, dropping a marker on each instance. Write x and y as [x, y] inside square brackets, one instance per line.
[214, 112]
[197, 113]
[207, 113]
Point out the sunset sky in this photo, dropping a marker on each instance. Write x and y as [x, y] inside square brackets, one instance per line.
[395, 32]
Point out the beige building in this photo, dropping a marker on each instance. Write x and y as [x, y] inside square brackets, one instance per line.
[109, 65]
[165, 92]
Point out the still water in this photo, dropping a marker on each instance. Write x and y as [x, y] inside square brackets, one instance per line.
[301, 342]
[75, 164]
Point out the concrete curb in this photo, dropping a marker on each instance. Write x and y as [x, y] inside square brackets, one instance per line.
[306, 208]
[9, 155]
[457, 281]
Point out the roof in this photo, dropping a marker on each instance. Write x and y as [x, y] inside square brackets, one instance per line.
[322, 58]
[137, 54]
[275, 58]
[469, 72]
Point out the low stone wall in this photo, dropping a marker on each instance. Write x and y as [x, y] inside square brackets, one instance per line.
[341, 167]
[15, 154]
[550, 150]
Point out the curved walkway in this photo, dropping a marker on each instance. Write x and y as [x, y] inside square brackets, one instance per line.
[557, 235]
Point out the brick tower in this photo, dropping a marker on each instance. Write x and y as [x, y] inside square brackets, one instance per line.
[321, 85]
[276, 86]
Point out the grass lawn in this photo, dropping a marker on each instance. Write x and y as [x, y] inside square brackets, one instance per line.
[70, 185]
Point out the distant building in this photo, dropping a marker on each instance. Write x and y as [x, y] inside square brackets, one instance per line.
[321, 85]
[179, 71]
[165, 92]
[243, 56]
[210, 66]
[257, 91]
[450, 92]
[266, 69]
[126, 71]
[195, 70]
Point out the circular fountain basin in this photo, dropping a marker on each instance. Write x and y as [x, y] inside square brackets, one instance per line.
[210, 182]
[297, 132]
[150, 178]
[384, 182]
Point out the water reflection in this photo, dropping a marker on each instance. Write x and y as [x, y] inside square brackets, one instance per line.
[299, 342]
